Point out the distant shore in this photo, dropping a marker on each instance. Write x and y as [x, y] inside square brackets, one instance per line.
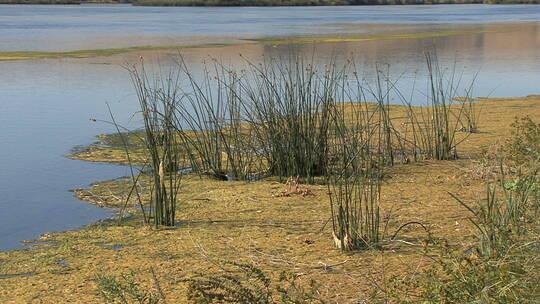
[268, 2]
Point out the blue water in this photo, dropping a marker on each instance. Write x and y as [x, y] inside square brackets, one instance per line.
[46, 105]
[36, 27]
[44, 112]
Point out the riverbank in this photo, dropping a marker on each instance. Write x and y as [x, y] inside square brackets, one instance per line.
[259, 223]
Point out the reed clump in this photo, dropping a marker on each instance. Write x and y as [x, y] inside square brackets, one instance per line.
[281, 118]
[158, 100]
[216, 132]
[356, 216]
[287, 106]
[292, 118]
[434, 127]
[355, 178]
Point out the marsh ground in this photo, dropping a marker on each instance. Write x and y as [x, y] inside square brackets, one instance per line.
[252, 222]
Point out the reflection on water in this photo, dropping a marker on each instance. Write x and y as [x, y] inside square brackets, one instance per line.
[506, 63]
[45, 107]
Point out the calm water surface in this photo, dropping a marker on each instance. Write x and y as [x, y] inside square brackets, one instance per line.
[44, 112]
[45, 105]
[99, 26]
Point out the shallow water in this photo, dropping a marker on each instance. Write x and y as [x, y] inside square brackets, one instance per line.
[46, 105]
[44, 112]
[46, 28]
[14, 275]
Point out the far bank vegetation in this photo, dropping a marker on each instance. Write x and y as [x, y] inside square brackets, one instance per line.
[269, 2]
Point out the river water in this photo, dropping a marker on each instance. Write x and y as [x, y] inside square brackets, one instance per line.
[105, 26]
[46, 104]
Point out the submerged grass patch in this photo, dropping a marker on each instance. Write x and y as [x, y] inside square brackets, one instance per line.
[306, 40]
[72, 54]
[27, 55]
